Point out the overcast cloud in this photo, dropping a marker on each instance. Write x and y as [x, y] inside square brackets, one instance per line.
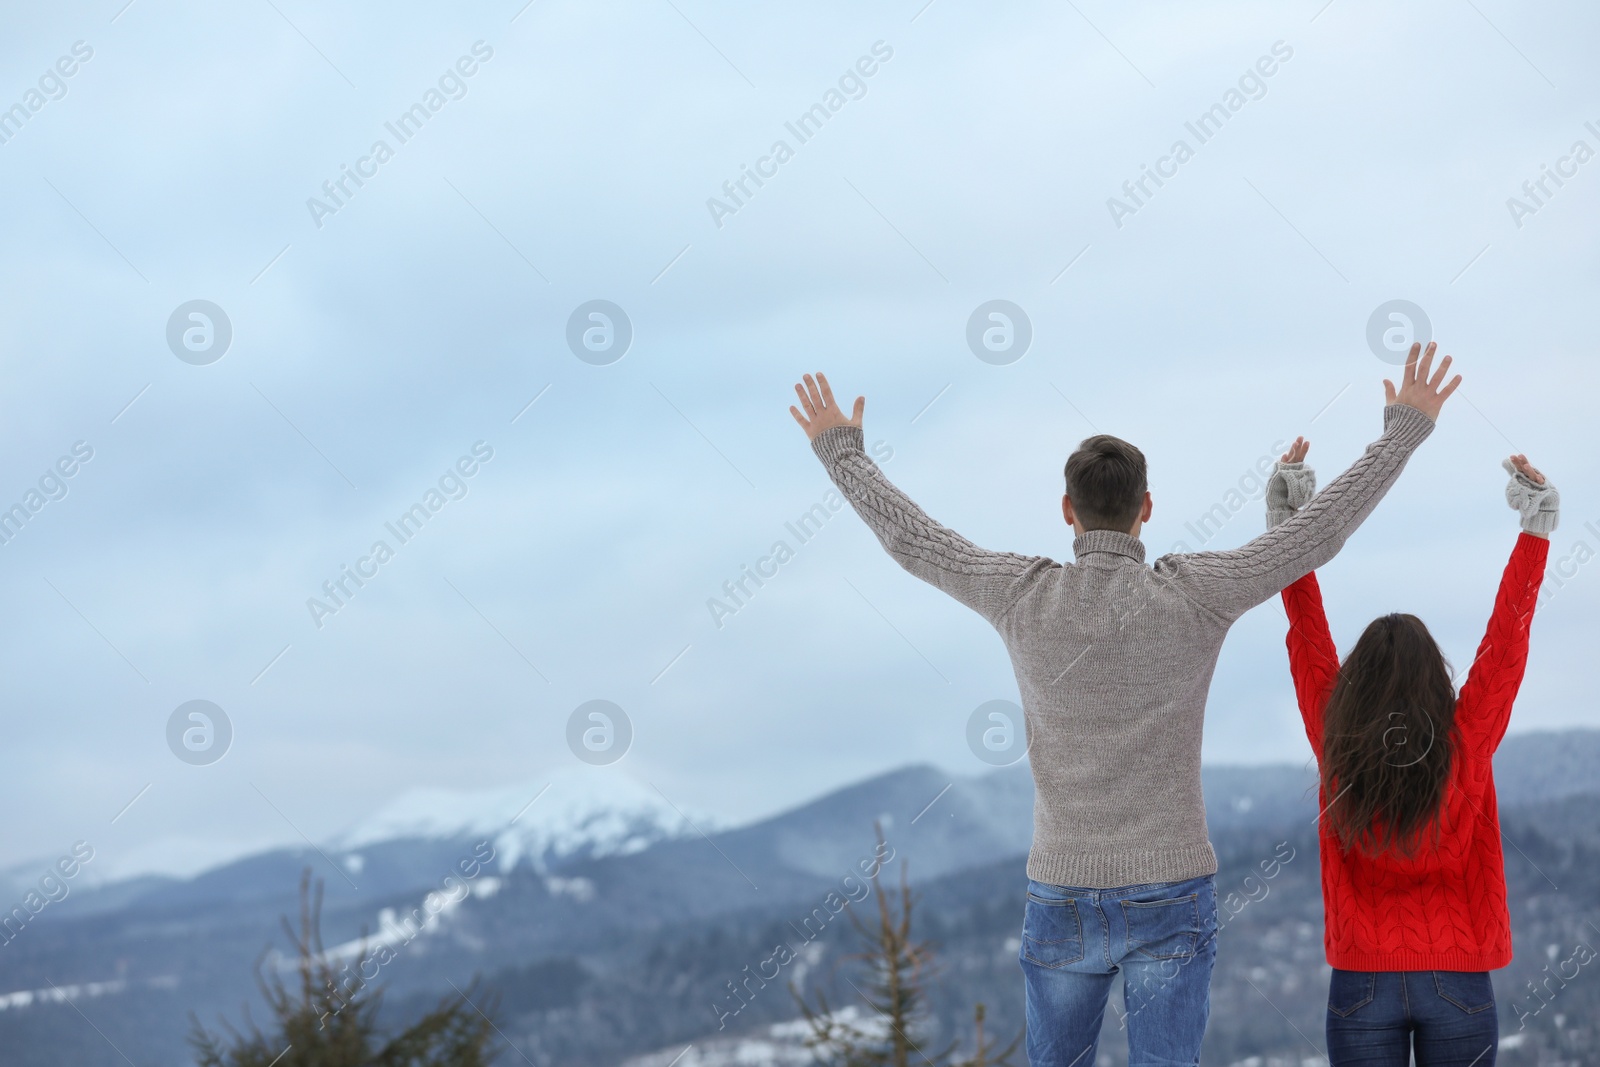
[377, 339]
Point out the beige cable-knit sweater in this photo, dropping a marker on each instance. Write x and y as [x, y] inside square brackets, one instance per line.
[1113, 658]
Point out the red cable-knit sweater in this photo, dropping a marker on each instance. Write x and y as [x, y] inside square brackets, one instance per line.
[1444, 907]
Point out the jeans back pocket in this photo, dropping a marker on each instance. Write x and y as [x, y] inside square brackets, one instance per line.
[1052, 931]
[1350, 991]
[1163, 929]
[1471, 991]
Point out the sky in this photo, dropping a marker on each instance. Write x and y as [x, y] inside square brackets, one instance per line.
[419, 328]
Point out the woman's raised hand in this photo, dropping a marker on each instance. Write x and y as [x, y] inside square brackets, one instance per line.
[1527, 470]
[1532, 495]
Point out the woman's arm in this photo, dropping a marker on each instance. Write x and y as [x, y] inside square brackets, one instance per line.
[1484, 708]
[1313, 658]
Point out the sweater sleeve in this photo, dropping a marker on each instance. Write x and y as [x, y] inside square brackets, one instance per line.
[1313, 659]
[1484, 708]
[1230, 583]
[985, 581]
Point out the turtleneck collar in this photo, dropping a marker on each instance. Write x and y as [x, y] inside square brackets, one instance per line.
[1113, 541]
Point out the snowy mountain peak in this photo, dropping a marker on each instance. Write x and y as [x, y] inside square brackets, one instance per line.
[568, 814]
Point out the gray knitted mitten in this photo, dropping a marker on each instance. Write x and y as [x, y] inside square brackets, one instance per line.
[1539, 505]
[1290, 488]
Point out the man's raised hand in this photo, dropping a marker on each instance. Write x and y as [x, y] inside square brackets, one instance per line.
[820, 411]
[1419, 390]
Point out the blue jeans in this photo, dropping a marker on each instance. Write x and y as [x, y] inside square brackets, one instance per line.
[1162, 937]
[1374, 1019]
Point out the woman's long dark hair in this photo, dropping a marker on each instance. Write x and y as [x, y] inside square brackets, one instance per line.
[1387, 738]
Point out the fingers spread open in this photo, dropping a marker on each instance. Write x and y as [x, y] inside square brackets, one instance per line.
[805, 401]
[1438, 375]
[814, 393]
[1425, 368]
[827, 390]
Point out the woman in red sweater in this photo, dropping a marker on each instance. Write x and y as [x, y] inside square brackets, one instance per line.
[1413, 884]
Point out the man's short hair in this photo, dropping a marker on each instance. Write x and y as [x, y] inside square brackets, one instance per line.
[1106, 481]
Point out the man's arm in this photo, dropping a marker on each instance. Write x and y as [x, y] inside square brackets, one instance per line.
[1231, 583]
[987, 582]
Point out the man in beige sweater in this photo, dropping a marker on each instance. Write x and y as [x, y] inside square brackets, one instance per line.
[1113, 660]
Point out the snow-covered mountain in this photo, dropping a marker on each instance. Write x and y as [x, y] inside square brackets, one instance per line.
[572, 813]
[636, 920]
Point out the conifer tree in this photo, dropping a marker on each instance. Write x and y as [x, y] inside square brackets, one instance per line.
[899, 969]
[321, 1022]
